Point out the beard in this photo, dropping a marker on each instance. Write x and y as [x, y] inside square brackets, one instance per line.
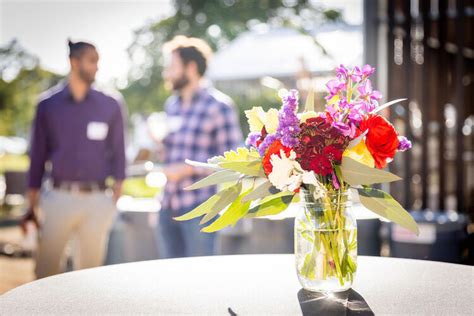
[86, 77]
[180, 83]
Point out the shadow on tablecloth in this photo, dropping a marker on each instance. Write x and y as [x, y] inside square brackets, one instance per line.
[345, 303]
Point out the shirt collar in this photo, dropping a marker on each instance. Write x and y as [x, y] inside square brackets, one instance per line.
[66, 92]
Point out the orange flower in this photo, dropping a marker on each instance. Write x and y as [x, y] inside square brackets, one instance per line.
[273, 149]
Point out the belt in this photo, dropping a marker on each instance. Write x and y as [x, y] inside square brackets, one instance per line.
[78, 186]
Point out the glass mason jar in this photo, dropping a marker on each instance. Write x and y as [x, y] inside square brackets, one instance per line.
[326, 242]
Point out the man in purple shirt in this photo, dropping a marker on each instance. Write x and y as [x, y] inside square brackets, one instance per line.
[80, 132]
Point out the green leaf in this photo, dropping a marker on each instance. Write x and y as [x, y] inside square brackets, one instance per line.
[309, 106]
[218, 177]
[309, 266]
[203, 165]
[226, 199]
[263, 190]
[386, 105]
[252, 168]
[271, 206]
[357, 140]
[242, 154]
[236, 211]
[219, 200]
[385, 205]
[356, 173]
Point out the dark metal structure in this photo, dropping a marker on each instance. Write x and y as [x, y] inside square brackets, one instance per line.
[427, 47]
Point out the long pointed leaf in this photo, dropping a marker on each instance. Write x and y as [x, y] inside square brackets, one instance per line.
[271, 207]
[213, 202]
[202, 165]
[218, 177]
[263, 190]
[309, 106]
[226, 199]
[250, 168]
[236, 211]
[386, 105]
[356, 173]
[357, 140]
[386, 206]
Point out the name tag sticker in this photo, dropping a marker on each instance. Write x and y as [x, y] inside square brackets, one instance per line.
[97, 130]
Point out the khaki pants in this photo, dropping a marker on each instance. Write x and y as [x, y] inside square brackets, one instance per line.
[86, 216]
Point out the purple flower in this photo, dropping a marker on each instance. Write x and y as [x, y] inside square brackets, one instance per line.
[356, 74]
[341, 72]
[334, 86]
[366, 91]
[367, 70]
[405, 144]
[288, 122]
[266, 143]
[346, 129]
[252, 139]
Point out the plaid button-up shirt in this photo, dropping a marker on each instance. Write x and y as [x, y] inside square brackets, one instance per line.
[208, 127]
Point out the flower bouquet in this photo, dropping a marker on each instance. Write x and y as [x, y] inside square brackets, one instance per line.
[317, 160]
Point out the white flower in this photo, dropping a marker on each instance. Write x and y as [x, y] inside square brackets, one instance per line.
[310, 178]
[286, 174]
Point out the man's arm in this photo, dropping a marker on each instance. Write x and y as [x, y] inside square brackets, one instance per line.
[117, 134]
[38, 157]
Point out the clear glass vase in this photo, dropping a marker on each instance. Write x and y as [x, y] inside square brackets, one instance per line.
[326, 242]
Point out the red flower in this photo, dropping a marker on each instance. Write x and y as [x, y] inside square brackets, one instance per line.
[332, 153]
[273, 149]
[320, 164]
[321, 145]
[381, 140]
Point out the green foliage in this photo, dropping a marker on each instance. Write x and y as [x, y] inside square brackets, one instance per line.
[356, 173]
[19, 95]
[386, 206]
[217, 22]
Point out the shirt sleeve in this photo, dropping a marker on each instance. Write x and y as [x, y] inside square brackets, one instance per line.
[227, 134]
[117, 141]
[39, 148]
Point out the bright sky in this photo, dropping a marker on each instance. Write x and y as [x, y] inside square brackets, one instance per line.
[42, 27]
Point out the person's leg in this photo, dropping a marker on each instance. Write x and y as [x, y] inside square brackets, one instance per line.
[170, 237]
[98, 212]
[197, 242]
[60, 218]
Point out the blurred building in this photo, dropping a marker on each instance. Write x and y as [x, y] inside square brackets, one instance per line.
[282, 56]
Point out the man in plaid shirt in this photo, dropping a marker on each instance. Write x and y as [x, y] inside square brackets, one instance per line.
[207, 126]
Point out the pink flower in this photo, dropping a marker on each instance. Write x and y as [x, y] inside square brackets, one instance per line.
[367, 70]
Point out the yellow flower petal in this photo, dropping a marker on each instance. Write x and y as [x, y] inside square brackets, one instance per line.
[361, 154]
[307, 115]
[333, 100]
[256, 118]
[271, 121]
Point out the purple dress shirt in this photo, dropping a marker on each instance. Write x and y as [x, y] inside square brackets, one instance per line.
[84, 141]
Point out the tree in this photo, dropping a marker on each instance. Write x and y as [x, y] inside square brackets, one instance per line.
[217, 22]
[21, 81]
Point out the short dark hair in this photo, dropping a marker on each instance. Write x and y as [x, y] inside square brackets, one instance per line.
[77, 49]
[190, 49]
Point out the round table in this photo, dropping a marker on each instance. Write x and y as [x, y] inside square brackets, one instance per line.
[246, 285]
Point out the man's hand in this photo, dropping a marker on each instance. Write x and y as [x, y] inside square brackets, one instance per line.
[31, 215]
[117, 190]
[177, 171]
